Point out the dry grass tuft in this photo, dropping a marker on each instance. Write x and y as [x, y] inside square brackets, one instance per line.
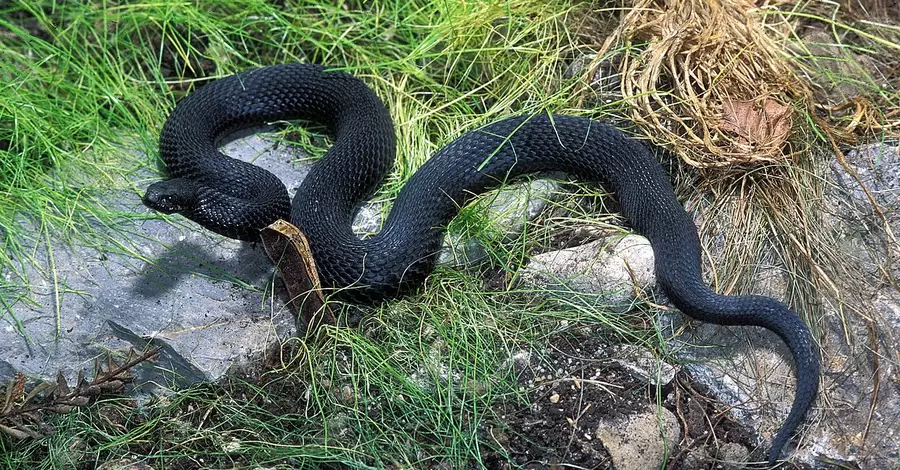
[708, 81]
[761, 97]
[764, 99]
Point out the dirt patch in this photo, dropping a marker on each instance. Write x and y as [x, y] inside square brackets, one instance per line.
[574, 387]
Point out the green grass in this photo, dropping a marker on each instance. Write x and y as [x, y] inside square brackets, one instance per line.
[87, 87]
[84, 90]
[414, 385]
[84, 94]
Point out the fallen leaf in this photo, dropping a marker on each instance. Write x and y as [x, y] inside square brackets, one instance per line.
[62, 386]
[288, 249]
[15, 392]
[764, 127]
[16, 433]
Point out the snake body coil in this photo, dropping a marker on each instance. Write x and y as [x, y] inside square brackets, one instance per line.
[237, 199]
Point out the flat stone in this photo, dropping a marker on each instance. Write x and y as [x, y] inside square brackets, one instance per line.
[877, 167]
[643, 364]
[206, 301]
[641, 441]
[508, 210]
[733, 456]
[605, 272]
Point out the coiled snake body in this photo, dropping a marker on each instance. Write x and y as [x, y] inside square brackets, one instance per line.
[237, 199]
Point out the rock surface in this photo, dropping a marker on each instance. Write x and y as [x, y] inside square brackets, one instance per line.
[205, 300]
[641, 441]
[643, 364]
[862, 335]
[508, 210]
[610, 273]
[212, 304]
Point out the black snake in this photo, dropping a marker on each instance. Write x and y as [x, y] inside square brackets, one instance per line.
[237, 199]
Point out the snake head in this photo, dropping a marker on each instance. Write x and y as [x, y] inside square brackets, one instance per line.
[171, 196]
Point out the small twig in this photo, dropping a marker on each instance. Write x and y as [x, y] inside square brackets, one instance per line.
[80, 395]
[876, 379]
[145, 356]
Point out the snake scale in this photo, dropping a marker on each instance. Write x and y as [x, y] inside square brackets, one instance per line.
[237, 199]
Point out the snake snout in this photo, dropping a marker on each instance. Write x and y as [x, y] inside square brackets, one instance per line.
[171, 196]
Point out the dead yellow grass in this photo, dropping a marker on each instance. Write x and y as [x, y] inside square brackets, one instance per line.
[708, 81]
[763, 97]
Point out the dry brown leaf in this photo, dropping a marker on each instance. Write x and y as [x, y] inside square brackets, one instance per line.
[21, 413]
[15, 392]
[288, 249]
[61, 409]
[764, 127]
[39, 389]
[62, 386]
[16, 433]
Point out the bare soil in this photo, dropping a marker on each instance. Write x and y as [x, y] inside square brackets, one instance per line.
[574, 387]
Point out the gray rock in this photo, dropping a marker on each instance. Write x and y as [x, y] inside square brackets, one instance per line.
[642, 440]
[877, 167]
[643, 364]
[863, 329]
[606, 272]
[869, 231]
[369, 219]
[697, 458]
[204, 300]
[733, 456]
[508, 210]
